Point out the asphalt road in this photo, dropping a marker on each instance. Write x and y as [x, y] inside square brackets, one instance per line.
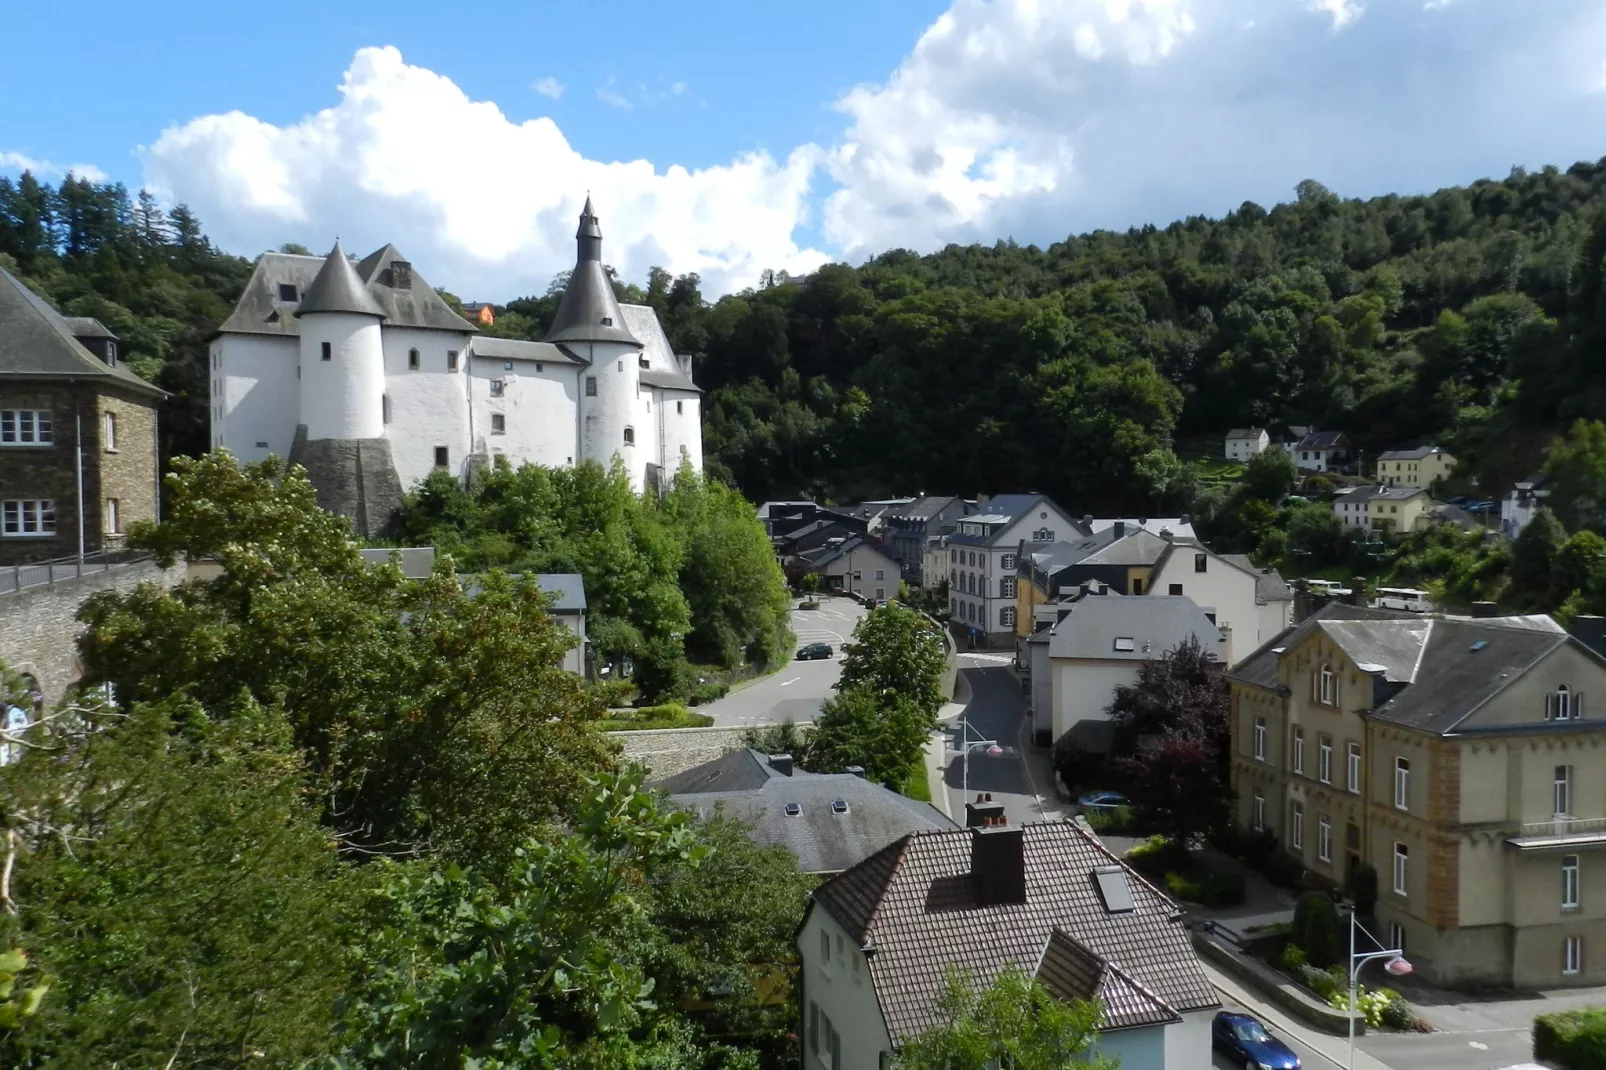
[1309, 1059]
[1019, 776]
[798, 689]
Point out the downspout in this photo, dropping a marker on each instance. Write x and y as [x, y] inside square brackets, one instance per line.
[78, 417]
[468, 392]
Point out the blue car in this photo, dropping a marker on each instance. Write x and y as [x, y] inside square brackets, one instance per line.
[1245, 1039]
[1102, 800]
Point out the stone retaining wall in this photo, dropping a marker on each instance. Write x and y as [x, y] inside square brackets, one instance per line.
[667, 751]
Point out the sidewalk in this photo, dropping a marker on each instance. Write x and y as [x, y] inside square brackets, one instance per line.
[1334, 1049]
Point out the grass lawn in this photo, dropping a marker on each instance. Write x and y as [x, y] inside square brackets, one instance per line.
[915, 783]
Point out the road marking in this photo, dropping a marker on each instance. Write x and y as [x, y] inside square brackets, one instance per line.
[1477, 1044]
[789, 683]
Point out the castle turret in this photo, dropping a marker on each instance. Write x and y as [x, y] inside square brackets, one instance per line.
[590, 326]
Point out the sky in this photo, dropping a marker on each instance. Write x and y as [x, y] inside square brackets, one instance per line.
[727, 137]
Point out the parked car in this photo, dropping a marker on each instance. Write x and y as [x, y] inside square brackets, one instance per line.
[815, 652]
[1243, 1037]
[1102, 800]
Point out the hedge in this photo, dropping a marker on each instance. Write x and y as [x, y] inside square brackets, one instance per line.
[669, 715]
[1576, 1040]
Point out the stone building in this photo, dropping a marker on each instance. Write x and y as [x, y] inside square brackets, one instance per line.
[78, 443]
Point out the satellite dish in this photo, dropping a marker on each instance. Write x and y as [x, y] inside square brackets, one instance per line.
[1397, 966]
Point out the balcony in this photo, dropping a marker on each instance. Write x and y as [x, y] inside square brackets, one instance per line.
[1558, 832]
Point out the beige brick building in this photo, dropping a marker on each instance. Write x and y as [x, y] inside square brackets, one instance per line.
[1458, 757]
[78, 434]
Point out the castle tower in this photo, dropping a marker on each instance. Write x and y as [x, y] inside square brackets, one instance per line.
[341, 438]
[590, 326]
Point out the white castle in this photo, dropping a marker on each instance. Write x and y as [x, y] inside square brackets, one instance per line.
[362, 373]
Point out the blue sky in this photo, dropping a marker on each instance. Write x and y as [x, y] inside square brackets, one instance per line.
[727, 137]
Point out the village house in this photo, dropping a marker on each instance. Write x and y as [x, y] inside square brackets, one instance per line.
[908, 529]
[853, 564]
[1420, 467]
[1249, 605]
[982, 568]
[1522, 501]
[1455, 756]
[1376, 508]
[1320, 451]
[1245, 443]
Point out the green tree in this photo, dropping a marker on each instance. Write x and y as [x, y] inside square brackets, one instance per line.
[1575, 471]
[1270, 475]
[896, 653]
[1316, 930]
[1533, 558]
[884, 733]
[1012, 1024]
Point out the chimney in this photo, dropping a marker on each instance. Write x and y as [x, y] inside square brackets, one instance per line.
[856, 770]
[781, 763]
[1591, 631]
[979, 814]
[401, 275]
[998, 864]
[982, 500]
[1485, 609]
[1302, 601]
[1357, 591]
[1119, 528]
[1185, 518]
[1087, 523]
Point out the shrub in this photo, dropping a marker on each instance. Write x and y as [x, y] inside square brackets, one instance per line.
[1209, 890]
[1382, 1008]
[1324, 984]
[1292, 959]
[1575, 1039]
[1363, 885]
[669, 715]
[1153, 858]
[1316, 929]
[1117, 822]
[709, 692]
[1397, 1013]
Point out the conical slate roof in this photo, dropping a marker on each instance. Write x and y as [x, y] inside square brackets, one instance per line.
[338, 288]
[589, 312]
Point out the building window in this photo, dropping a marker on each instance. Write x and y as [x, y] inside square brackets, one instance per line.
[498, 387]
[539, 367]
[1560, 703]
[412, 360]
[630, 436]
[451, 360]
[442, 457]
[1324, 762]
[1561, 794]
[1200, 562]
[1137, 586]
[953, 606]
[880, 573]
[111, 517]
[1260, 739]
[1402, 784]
[1402, 858]
[22, 518]
[1324, 838]
[1297, 746]
[1396, 937]
[1569, 882]
[680, 408]
[1353, 773]
[25, 427]
[1175, 589]
[1296, 827]
[1572, 955]
[1259, 816]
[825, 948]
[326, 351]
[953, 557]
[109, 432]
[287, 291]
[591, 386]
[973, 559]
[498, 424]
[1327, 686]
[1006, 616]
[1007, 562]
[1006, 587]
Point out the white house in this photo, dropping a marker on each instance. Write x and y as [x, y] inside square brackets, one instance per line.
[1520, 504]
[854, 564]
[1046, 899]
[1249, 605]
[1320, 451]
[981, 561]
[1105, 640]
[361, 372]
[1246, 442]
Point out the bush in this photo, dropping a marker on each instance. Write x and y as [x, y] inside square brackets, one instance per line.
[1575, 1039]
[1385, 1008]
[1292, 959]
[709, 692]
[1210, 890]
[1316, 929]
[1118, 822]
[669, 715]
[1397, 1013]
[1325, 984]
[1363, 886]
[1153, 858]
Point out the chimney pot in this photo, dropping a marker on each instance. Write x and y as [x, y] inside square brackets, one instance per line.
[781, 763]
[981, 813]
[1119, 528]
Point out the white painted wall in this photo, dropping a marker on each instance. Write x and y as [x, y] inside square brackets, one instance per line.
[1242, 449]
[428, 407]
[540, 403]
[1224, 590]
[575, 659]
[840, 988]
[259, 395]
[1042, 687]
[1083, 689]
[682, 429]
[342, 397]
[1138, 1049]
[603, 418]
[1187, 1044]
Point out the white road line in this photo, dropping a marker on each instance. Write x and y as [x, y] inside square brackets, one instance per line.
[789, 683]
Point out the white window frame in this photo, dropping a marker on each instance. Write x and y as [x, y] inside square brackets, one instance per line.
[1007, 562]
[1396, 936]
[1258, 817]
[28, 518]
[108, 434]
[1572, 955]
[1324, 838]
[1402, 868]
[1402, 783]
[1352, 761]
[23, 428]
[1298, 747]
[1563, 703]
[1260, 739]
[1327, 686]
[1569, 882]
[880, 573]
[1006, 617]
[111, 518]
[1324, 759]
[1296, 825]
[1006, 587]
[1561, 791]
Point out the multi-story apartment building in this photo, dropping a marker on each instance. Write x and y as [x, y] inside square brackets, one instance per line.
[907, 529]
[1458, 758]
[982, 571]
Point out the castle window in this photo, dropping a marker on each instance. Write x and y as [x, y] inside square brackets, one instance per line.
[621, 365]
[412, 360]
[442, 458]
[507, 365]
[287, 291]
[642, 361]
[591, 386]
[109, 435]
[630, 436]
[451, 360]
[498, 387]
[328, 351]
[539, 368]
[498, 424]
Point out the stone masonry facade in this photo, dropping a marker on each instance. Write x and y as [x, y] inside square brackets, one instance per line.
[124, 471]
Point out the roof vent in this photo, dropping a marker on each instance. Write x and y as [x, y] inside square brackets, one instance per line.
[856, 770]
[839, 806]
[1113, 889]
[781, 763]
[793, 809]
[1124, 644]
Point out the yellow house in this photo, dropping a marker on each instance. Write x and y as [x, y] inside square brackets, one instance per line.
[1456, 757]
[1381, 508]
[1420, 467]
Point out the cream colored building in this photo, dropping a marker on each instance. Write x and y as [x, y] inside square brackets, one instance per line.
[1419, 468]
[1458, 757]
[1383, 509]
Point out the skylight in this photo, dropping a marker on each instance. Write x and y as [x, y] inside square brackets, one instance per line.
[793, 809]
[839, 806]
[1124, 643]
[1113, 889]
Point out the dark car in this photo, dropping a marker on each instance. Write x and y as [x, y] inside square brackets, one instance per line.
[814, 652]
[1106, 801]
[1245, 1039]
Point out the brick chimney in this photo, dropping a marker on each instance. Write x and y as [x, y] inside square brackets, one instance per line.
[998, 864]
[1119, 529]
[980, 814]
[781, 763]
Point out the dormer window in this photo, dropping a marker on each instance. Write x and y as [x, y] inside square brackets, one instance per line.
[287, 291]
[642, 361]
[607, 321]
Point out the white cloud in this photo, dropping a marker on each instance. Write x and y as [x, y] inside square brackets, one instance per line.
[16, 161]
[1343, 12]
[1600, 82]
[548, 87]
[613, 98]
[482, 205]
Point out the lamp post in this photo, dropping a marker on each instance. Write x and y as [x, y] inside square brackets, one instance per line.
[965, 744]
[1394, 963]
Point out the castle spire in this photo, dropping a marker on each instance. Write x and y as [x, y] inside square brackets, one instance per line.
[338, 288]
[589, 311]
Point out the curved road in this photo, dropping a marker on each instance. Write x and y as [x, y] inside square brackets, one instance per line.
[1021, 776]
[797, 690]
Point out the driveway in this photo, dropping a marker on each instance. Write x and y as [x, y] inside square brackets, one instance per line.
[797, 690]
[1020, 776]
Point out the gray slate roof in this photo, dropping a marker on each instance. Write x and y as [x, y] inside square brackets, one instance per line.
[1269, 583]
[518, 349]
[663, 367]
[1246, 432]
[88, 327]
[1415, 454]
[37, 342]
[915, 900]
[1375, 493]
[589, 311]
[416, 304]
[569, 589]
[338, 288]
[1323, 440]
[1155, 624]
[741, 770]
[259, 310]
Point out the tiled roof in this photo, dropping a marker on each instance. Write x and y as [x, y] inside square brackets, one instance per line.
[741, 770]
[1260, 667]
[663, 370]
[914, 902]
[88, 327]
[1073, 973]
[338, 288]
[36, 342]
[261, 309]
[1323, 440]
[1269, 583]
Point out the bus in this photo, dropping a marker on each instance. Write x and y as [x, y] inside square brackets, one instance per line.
[1408, 599]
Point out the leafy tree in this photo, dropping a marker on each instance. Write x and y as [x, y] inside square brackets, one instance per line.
[1270, 475]
[1316, 930]
[1533, 556]
[1013, 1024]
[885, 733]
[1575, 471]
[895, 653]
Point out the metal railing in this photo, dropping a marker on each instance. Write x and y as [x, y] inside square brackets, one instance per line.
[1563, 826]
[15, 578]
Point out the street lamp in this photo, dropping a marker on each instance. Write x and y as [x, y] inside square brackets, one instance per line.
[967, 744]
[1393, 961]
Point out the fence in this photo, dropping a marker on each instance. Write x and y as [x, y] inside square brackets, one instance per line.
[17, 578]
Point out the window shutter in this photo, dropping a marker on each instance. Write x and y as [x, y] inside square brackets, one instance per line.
[1578, 706]
[1550, 704]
